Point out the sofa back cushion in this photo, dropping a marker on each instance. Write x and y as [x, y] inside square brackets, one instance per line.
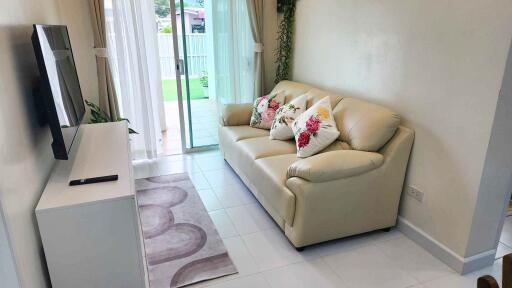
[295, 89]
[291, 89]
[363, 125]
[315, 95]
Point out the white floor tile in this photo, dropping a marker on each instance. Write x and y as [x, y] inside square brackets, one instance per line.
[209, 199]
[175, 158]
[271, 249]
[253, 281]
[314, 274]
[384, 236]
[266, 259]
[199, 181]
[141, 171]
[164, 166]
[240, 255]
[178, 166]
[413, 259]
[242, 259]
[260, 214]
[453, 281]
[222, 178]
[234, 195]
[367, 267]
[250, 218]
[466, 281]
[502, 250]
[212, 163]
[506, 232]
[223, 224]
[336, 246]
[206, 154]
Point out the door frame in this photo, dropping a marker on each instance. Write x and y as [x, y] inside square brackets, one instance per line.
[177, 69]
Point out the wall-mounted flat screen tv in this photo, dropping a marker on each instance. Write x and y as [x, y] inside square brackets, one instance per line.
[62, 101]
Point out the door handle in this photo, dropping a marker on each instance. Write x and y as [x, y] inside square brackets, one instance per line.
[180, 67]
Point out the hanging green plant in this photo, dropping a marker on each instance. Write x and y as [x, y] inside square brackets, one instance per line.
[284, 49]
[99, 116]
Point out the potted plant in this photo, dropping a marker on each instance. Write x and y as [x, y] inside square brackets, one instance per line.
[166, 29]
[204, 82]
[99, 116]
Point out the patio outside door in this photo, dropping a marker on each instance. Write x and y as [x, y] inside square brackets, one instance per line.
[194, 71]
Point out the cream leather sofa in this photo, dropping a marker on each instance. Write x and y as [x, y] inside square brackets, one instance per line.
[351, 187]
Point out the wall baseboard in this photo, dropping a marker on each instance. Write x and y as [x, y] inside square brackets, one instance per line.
[443, 253]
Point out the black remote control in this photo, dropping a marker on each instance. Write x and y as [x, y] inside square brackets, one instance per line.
[93, 180]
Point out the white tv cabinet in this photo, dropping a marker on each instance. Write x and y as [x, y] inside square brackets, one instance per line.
[91, 233]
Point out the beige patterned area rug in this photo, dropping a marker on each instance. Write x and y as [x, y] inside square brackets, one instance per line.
[181, 242]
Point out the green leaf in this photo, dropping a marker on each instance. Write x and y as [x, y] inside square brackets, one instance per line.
[284, 50]
[99, 116]
[123, 119]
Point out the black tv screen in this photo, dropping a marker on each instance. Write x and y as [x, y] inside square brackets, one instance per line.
[59, 87]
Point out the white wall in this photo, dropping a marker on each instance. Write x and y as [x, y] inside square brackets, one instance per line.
[437, 63]
[496, 183]
[8, 272]
[25, 154]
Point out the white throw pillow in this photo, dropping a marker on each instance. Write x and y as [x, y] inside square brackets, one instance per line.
[315, 129]
[281, 126]
[264, 110]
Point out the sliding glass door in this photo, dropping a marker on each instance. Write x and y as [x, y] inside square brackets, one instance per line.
[195, 73]
[206, 52]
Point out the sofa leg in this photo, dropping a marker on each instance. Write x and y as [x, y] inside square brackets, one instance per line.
[299, 249]
[386, 229]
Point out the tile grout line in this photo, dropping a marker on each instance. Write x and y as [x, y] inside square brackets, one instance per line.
[374, 242]
[504, 243]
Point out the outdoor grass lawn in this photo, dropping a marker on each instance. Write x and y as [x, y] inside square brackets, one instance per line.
[171, 94]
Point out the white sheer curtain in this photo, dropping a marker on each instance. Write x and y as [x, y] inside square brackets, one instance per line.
[133, 54]
[233, 52]
[255, 13]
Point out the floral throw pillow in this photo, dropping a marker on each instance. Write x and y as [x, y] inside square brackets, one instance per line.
[281, 126]
[264, 110]
[315, 129]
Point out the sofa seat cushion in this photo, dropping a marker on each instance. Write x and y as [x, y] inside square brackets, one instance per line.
[336, 146]
[261, 147]
[270, 174]
[237, 133]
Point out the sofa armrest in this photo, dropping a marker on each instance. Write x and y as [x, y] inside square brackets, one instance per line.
[335, 165]
[236, 114]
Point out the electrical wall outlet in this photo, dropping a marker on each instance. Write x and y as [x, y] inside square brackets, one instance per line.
[415, 193]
